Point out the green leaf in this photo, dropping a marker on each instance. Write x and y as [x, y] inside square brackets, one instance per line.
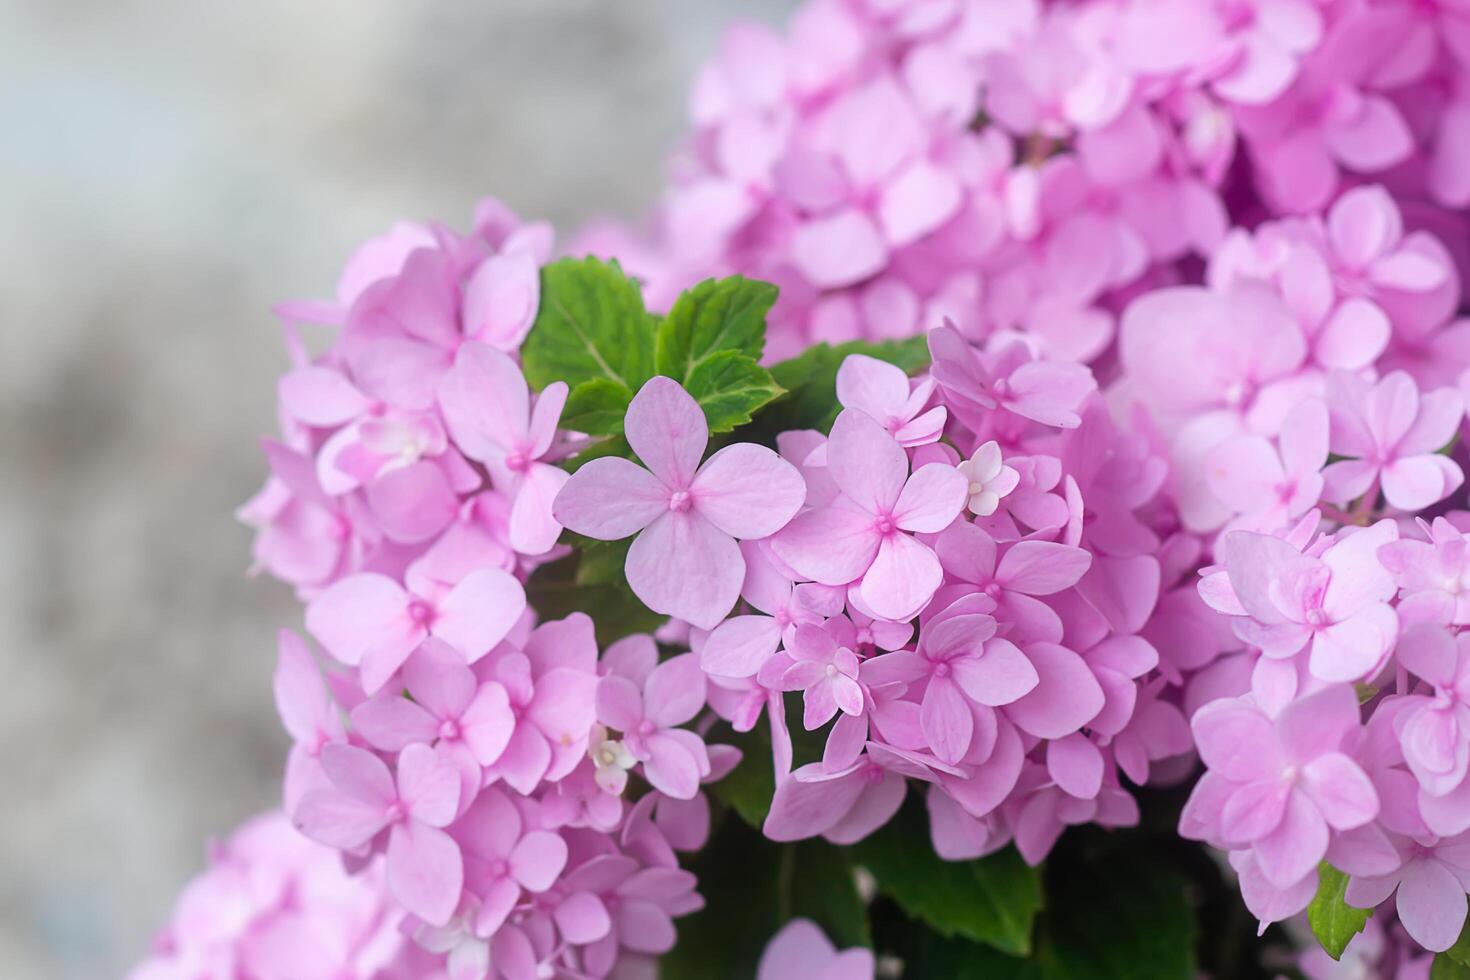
[601, 562]
[597, 408]
[591, 325]
[1333, 920]
[555, 592]
[811, 379]
[1460, 952]
[730, 387]
[716, 315]
[753, 887]
[1445, 967]
[992, 900]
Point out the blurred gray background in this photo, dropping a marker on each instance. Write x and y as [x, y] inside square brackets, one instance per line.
[167, 171]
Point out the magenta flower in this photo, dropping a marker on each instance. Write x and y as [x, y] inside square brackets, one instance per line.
[865, 533]
[674, 759]
[1277, 785]
[800, 950]
[1392, 436]
[684, 562]
[425, 868]
[487, 407]
[1338, 603]
[369, 620]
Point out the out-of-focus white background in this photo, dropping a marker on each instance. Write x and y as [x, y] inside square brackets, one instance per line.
[167, 171]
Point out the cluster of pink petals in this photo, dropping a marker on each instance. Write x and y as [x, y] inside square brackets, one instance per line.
[1181, 479]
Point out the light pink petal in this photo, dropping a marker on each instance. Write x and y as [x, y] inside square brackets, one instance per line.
[931, 499]
[610, 498]
[364, 615]
[301, 693]
[868, 464]
[487, 724]
[321, 397]
[674, 692]
[479, 612]
[838, 250]
[918, 201]
[671, 768]
[619, 703]
[874, 808]
[1256, 562]
[1076, 765]
[338, 820]
[739, 646]
[946, 720]
[1342, 793]
[1000, 676]
[798, 950]
[832, 545]
[413, 503]
[358, 773]
[666, 428]
[805, 809]
[1353, 336]
[1376, 140]
[1293, 850]
[1363, 224]
[485, 401]
[645, 928]
[438, 679]
[425, 871]
[1317, 723]
[1041, 567]
[428, 784]
[901, 579]
[501, 298]
[565, 705]
[545, 416]
[1066, 697]
[1440, 414]
[533, 526]
[681, 565]
[1431, 904]
[1303, 437]
[525, 759]
[872, 386]
[390, 722]
[582, 918]
[538, 860]
[748, 491]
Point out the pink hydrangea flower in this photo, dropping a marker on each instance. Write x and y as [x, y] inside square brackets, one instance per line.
[1429, 887]
[885, 393]
[800, 950]
[1392, 435]
[864, 534]
[425, 868]
[684, 562]
[647, 710]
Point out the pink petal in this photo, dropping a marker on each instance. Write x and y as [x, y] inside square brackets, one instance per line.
[438, 679]
[428, 785]
[533, 526]
[501, 298]
[610, 498]
[1376, 140]
[565, 707]
[748, 491]
[338, 820]
[1418, 481]
[667, 429]
[839, 250]
[1076, 765]
[582, 918]
[946, 720]
[872, 386]
[674, 692]
[901, 579]
[681, 565]
[1292, 851]
[931, 499]
[874, 807]
[358, 773]
[918, 201]
[362, 616]
[413, 503]
[321, 397]
[739, 646]
[1342, 793]
[538, 860]
[1066, 697]
[1431, 904]
[525, 759]
[868, 464]
[391, 722]
[1236, 740]
[487, 724]
[301, 693]
[832, 545]
[1041, 567]
[645, 928]
[485, 401]
[670, 767]
[805, 809]
[1000, 676]
[425, 871]
[479, 612]
[798, 950]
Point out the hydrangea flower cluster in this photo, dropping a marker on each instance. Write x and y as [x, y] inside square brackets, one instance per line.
[1137, 453]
